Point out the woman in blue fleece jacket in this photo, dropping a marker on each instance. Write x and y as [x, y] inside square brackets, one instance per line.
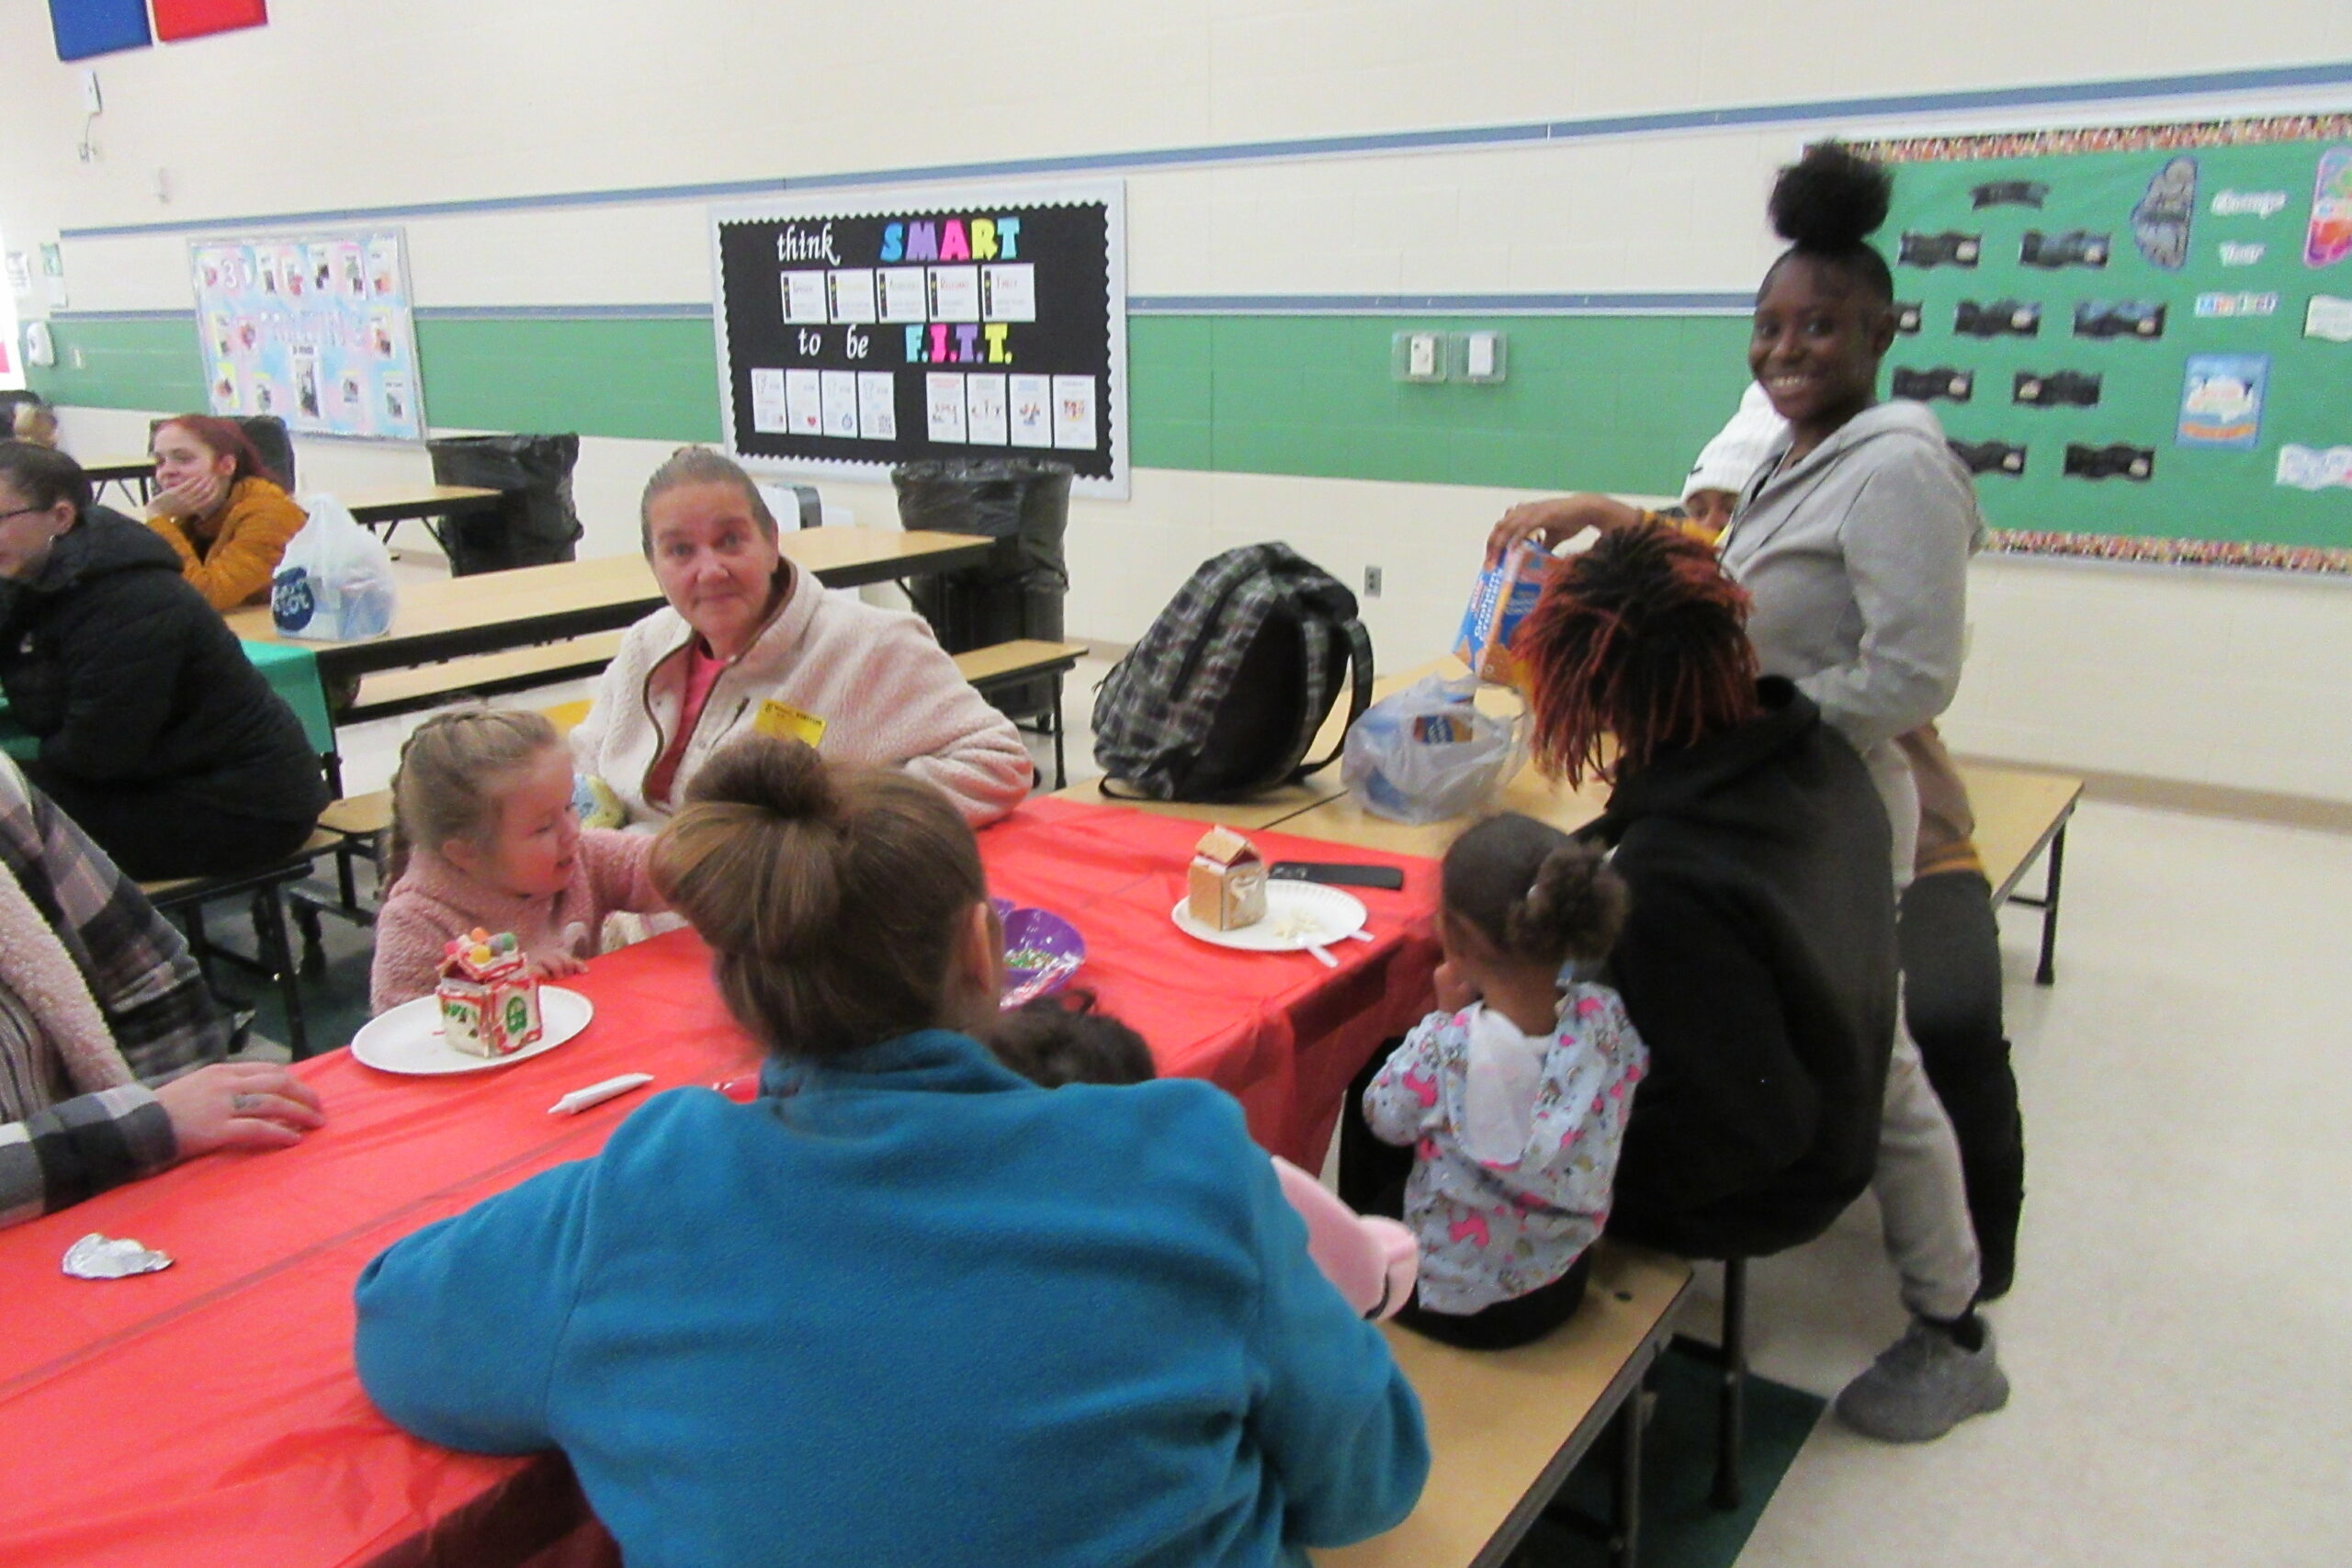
[905, 1307]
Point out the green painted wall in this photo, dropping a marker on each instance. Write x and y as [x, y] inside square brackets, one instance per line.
[1605, 402]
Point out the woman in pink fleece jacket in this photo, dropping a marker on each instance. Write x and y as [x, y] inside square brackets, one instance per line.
[484, 834]
[749, 642]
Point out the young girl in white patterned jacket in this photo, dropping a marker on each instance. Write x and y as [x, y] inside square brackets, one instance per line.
[1513, 1098]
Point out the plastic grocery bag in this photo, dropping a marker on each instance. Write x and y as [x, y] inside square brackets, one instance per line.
[334, 582]
[1427, 753]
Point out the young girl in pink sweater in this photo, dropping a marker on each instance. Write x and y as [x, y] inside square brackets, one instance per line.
[484, 834]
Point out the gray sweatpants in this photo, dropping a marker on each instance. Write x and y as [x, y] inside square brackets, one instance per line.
[1922, 1199]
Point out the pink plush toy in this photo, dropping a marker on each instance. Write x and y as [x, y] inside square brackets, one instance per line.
[1371, 1260]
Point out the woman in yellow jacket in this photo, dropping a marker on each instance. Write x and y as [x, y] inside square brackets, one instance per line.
[217, 506]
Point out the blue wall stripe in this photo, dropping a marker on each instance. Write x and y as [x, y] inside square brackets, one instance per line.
[2267, 79]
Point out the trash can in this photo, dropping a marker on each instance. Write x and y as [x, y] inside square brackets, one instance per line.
[536, 525]
[1023, 505]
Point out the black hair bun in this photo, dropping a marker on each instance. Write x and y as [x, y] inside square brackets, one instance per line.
[1831, 199]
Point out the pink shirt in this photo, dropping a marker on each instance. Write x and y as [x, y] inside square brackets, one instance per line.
[702, 669]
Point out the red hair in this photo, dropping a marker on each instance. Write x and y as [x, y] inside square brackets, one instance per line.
[222, 438]
[1641, 639]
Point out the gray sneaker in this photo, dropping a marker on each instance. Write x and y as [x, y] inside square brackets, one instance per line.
[1922, 1386]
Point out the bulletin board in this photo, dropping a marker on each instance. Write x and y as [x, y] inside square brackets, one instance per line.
[858, 332]
[2139, 338]
[317, 329]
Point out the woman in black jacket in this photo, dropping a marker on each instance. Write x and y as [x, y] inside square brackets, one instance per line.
[1758, 959]
[156, 734]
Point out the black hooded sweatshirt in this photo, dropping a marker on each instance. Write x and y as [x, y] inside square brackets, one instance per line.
[1759, 962]
[126, 675]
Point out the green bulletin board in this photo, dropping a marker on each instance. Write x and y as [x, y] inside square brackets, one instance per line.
[2164, 310]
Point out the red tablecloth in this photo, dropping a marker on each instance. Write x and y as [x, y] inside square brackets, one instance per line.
[210, 1413]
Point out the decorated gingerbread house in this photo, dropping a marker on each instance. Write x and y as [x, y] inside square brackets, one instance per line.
[1227, 889]
[489, 999]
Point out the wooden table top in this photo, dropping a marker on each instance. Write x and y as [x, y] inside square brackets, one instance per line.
[388, 503]
[104, 470]
[494, 610]
[1499, 1421]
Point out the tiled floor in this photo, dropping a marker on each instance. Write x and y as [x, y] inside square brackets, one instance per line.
[2181, 1337]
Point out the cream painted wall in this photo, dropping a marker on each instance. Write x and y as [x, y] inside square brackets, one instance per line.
[2203, 677]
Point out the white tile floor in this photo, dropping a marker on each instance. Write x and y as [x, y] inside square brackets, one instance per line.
[2180, 1335]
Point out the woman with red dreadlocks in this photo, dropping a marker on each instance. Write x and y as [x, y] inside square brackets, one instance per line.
[1759, 956]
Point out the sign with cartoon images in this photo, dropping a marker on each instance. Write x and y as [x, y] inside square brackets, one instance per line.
[317, 329]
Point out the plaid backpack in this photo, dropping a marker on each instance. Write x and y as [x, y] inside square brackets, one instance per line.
[1223, 697]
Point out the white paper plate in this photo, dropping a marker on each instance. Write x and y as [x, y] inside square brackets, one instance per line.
[408, 1039]
[1312, 914]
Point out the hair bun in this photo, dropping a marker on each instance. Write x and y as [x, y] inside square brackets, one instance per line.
[1577, 903]
[1831, 199]
[787, 777]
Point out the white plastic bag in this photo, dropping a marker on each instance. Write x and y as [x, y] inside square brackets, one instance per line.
[1427, 753]
[334, 582]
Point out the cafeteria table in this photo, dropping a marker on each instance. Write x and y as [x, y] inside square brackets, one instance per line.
[210, 1412]
[126, 472]
[448, 618]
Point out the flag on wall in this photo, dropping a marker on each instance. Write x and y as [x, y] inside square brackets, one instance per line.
[177, 19]
[84, 27]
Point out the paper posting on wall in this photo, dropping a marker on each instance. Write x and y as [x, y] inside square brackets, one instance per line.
[877, 405]
[306, 380]
[20, 273]
[944, 400]
[2328, 317]
[803, 404]
[1009, 293]
[955, 294]
[838, 390]
[984, 396]
[2327, 239]
[1074, 412]
[906, 294]
[768, 415]
[351, 270]
[804, 297]
[2237, 304]
[850, 291]
[1033, 411]
[2315, 468]
[2241, 253]
[2221, 400]
[398, 411]
[383, 268]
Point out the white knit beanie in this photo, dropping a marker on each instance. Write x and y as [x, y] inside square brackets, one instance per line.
[1731, 459]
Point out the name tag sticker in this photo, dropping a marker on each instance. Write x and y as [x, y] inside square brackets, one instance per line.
[788, 723]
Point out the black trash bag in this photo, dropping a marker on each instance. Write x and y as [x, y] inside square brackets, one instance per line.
[1022, 504]
[536, 525]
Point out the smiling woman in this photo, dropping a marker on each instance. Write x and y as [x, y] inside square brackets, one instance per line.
[749, 642]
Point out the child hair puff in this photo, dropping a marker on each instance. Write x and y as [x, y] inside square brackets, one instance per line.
[1054, 1040]
[1537, 894]
[832, 897]
[452, 768]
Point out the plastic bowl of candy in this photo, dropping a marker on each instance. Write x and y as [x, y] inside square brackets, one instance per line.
[1035, 940]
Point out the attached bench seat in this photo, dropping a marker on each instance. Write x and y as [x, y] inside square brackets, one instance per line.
[273, 957]
[486, 674]
[1507, 1427]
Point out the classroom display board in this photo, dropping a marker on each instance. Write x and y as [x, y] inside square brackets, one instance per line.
[856, 333]
[316, 328]
[2139, 338]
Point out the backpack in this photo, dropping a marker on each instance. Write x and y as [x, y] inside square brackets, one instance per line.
[1222, 697]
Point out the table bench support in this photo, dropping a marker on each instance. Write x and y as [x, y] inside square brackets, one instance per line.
[2046, 972]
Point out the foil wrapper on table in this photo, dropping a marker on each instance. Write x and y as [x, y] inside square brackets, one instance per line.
[97, 1257]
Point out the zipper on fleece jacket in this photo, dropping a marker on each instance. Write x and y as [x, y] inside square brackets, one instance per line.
[661, 739]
